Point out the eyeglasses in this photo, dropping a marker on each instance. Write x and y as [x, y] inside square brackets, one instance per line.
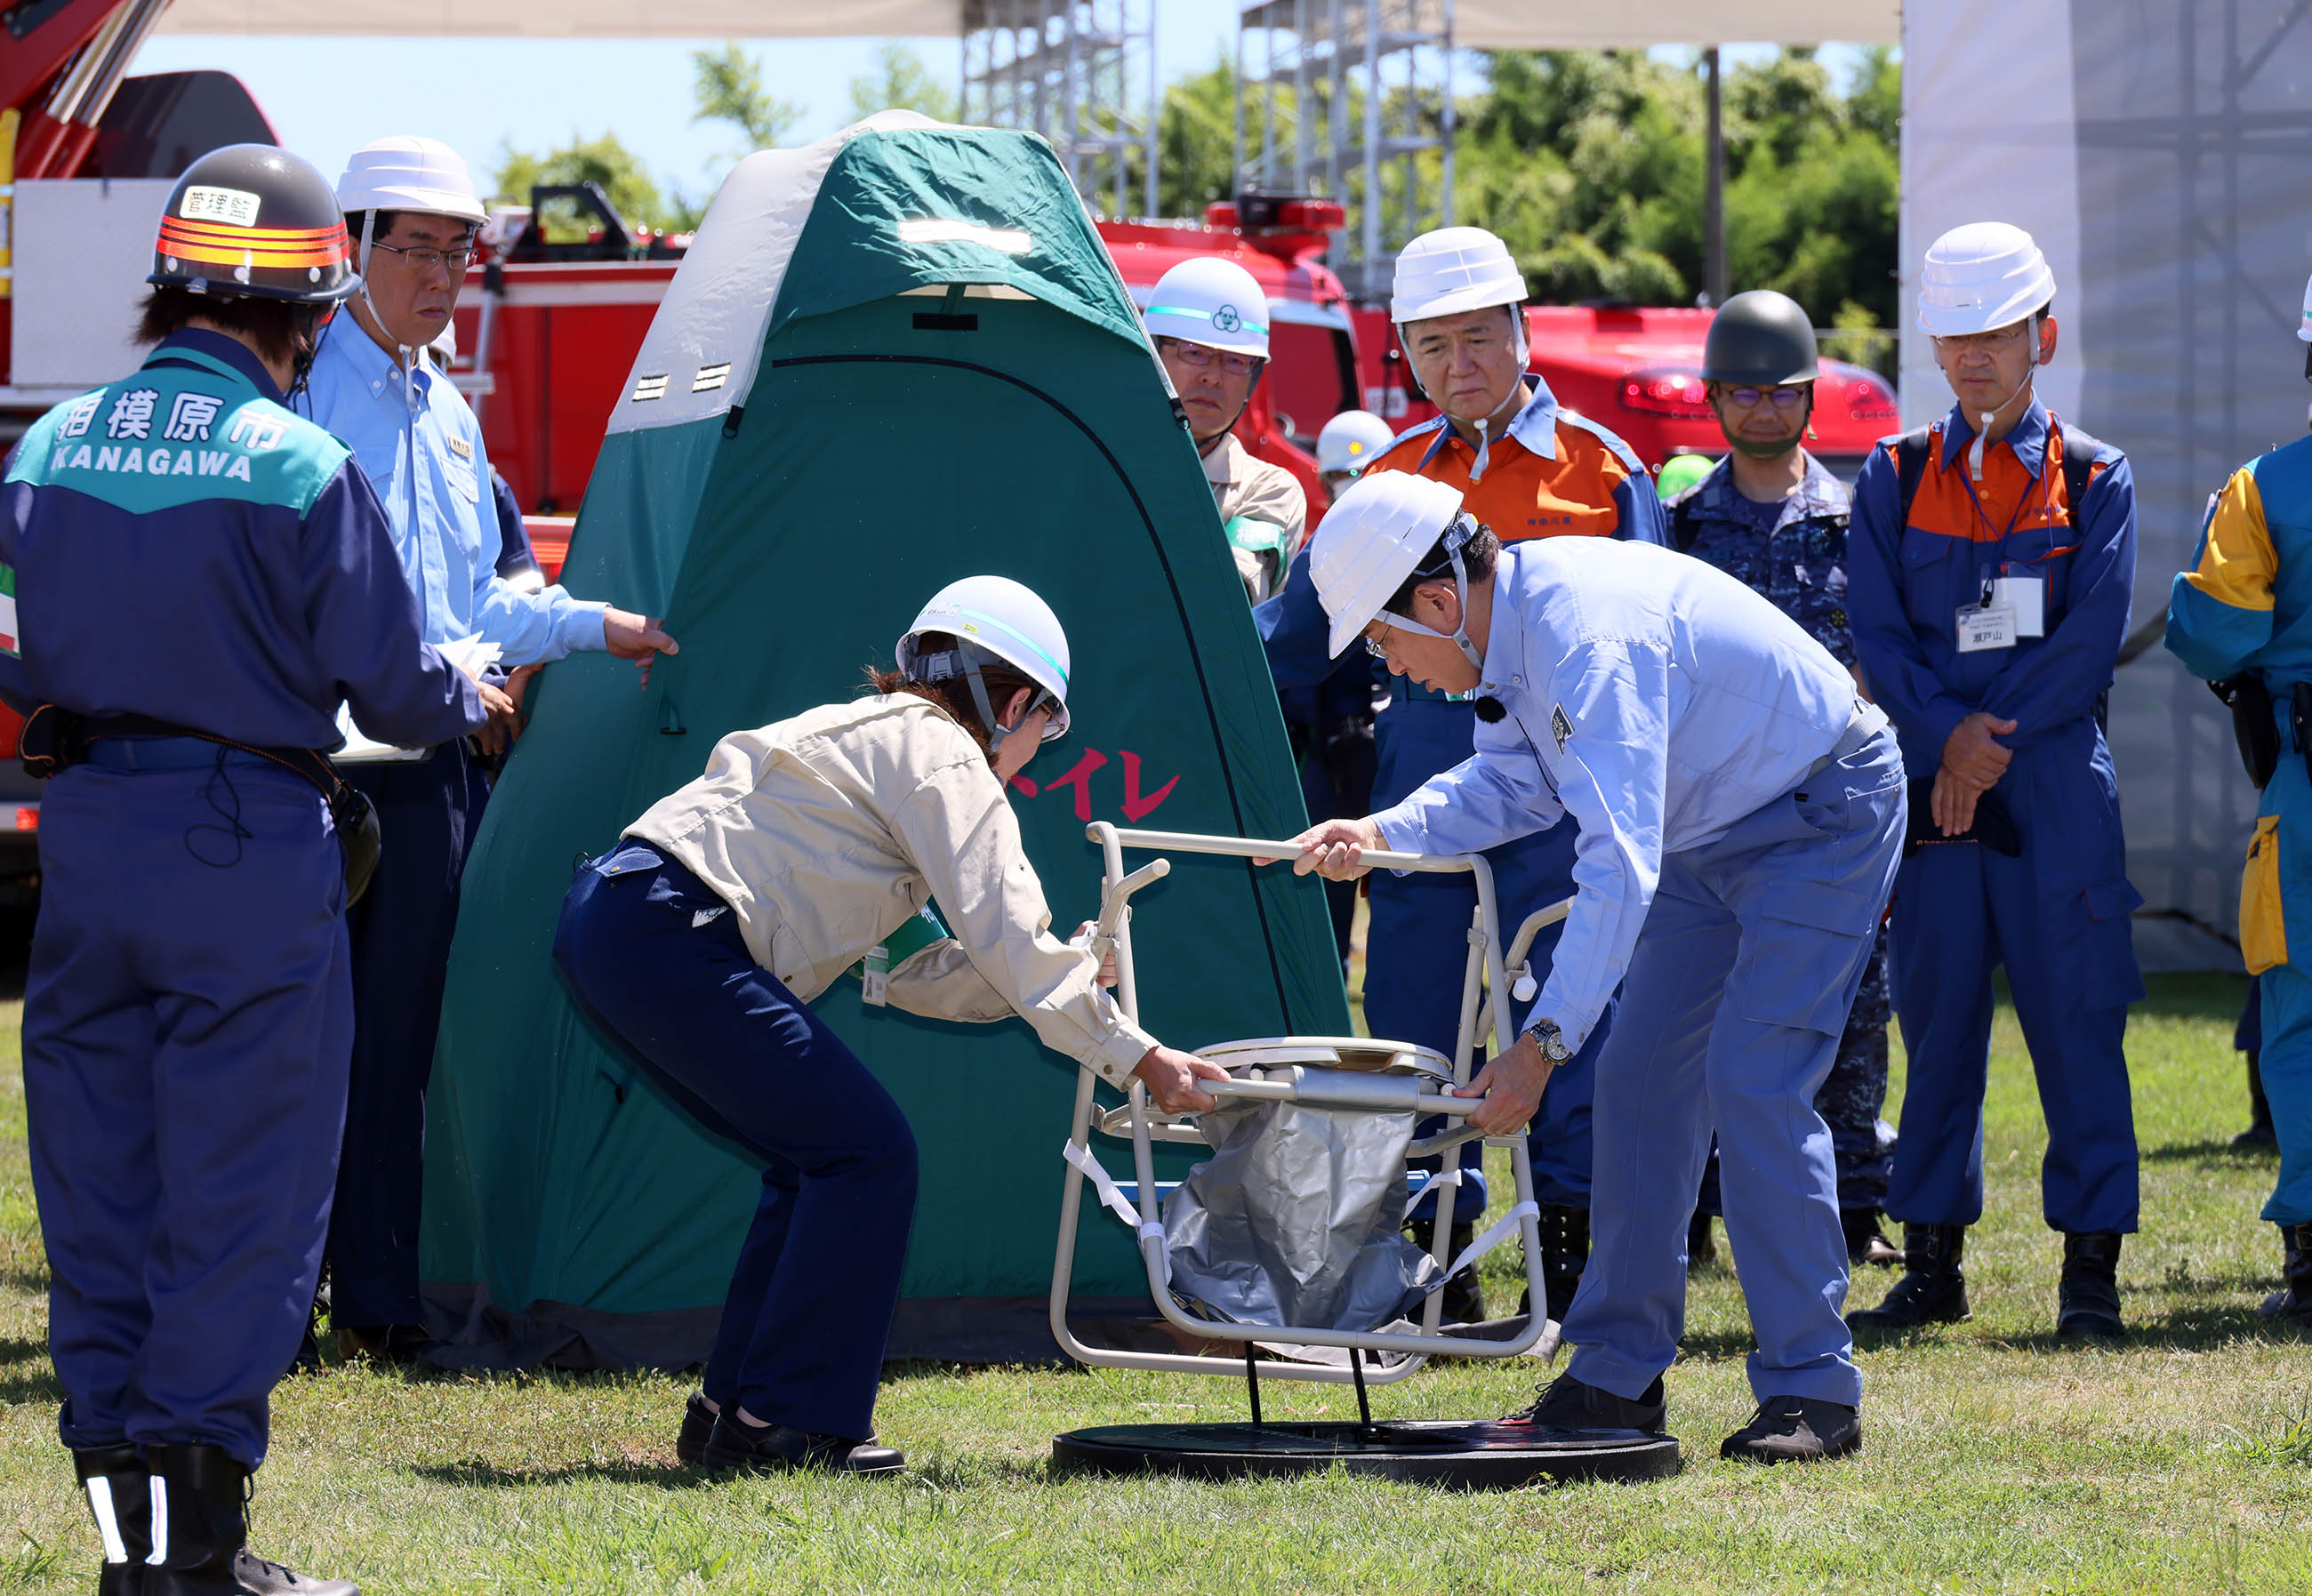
[1782, 399]
[1199, 356]
[1379, 651]
[426, 258]
[1995, 341]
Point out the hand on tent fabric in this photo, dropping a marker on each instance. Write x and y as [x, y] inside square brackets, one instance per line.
[1511, 1084]
[1335, 849]
[517, 687]
[636, 637]
[1171, 1077]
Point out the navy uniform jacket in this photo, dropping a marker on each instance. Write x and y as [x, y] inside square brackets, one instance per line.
[179, 545]
[1792, 555]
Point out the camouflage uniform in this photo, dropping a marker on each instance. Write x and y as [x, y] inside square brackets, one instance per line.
[1794, 554]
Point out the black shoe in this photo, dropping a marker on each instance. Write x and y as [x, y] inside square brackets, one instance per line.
[698, 1425]
[1933, 1286]
[1866, 1242]
[200, 1533]
[2086, 1301]
[308, 1359]
[776, 1448]
[1796, 1430]
[1701, 1242]
[2259, 1133]
[1567, 1404]
[120, 1499]
[1565, 1253]
[2294, 1299]
[401, 1346]
[1465, 1300]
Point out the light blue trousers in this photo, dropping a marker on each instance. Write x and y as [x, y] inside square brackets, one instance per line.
[1730, 1019]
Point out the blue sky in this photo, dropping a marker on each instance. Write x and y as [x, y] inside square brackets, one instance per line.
[327, 97]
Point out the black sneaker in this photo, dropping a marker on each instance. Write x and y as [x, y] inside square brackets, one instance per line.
[698, 1425]
[1567, 1404]
[777, 1448]
[1796, 1430]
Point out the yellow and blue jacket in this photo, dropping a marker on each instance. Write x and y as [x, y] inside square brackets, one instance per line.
[2246, 602]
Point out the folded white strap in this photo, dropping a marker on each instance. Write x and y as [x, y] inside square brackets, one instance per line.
[1496, 1234]
[1112, 1197]
[1437, 1177]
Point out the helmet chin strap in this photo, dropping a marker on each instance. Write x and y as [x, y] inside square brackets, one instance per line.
[1457, 538]
[1484, 426]
[405, 358]
[1982, 428]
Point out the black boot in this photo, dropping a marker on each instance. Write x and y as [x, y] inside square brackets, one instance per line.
[1866, 1242]
[1567, 1404]
[1465, 1300]
[120, 1498]
[698, 1425]
[1933, 1286]
[2259, 1132]
[1700, 1244]
[2086, 1301]
[200, 1533]
[2294, 1299]
[1565, 1253]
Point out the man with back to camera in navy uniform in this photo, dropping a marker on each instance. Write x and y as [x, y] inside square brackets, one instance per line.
[1770, 516]
[194, 579]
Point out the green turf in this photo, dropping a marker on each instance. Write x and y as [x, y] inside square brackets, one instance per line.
[1994, 1460]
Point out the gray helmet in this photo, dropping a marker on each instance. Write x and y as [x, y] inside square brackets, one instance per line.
[1760, 339]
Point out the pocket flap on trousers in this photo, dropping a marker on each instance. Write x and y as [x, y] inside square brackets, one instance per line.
[2113, 900]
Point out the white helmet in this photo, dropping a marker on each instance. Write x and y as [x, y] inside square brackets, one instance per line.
[1375, 536]
[992, 615]
[1981, 277]
[408, 174]
[1212, 302]
[1453, 271]
[1352, 441]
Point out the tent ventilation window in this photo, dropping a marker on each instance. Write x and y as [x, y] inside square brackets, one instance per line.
[711, 377]
[649, 388]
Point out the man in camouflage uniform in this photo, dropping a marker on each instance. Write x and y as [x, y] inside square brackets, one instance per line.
[1770, 516]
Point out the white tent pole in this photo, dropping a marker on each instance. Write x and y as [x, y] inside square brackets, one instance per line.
[1713, 194]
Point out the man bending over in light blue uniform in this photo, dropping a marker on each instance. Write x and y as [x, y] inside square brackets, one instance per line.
[1741, 818]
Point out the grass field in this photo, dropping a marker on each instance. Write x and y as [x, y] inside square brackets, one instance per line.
[1994, 1460]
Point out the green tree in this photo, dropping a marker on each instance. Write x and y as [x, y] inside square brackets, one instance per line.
[901, 80]
[728, 88]
[633, 192]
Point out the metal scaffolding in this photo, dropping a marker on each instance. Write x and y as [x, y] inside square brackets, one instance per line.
[1081, 73]
[1353, 100]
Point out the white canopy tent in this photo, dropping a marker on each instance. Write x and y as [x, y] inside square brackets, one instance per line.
[1477, 24]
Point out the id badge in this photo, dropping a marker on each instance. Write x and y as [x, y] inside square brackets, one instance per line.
[875, 974]
[2027, 596]
[1980, 628]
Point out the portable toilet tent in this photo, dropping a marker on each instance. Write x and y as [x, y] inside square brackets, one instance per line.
[896, 357]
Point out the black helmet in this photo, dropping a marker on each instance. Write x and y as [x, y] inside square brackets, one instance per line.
[250, 220]
[1760, 339]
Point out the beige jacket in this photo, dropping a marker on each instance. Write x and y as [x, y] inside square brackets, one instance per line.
[825, 832]
[1248, 489]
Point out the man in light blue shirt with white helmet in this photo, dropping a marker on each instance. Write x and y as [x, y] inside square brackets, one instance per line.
[411, 209]
[1741, 818]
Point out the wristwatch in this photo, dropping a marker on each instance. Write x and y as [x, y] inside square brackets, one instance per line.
[1545, 1036]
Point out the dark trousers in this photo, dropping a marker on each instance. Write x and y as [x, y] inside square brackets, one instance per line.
[427, 813]
[810, 1303]
[187, 1022]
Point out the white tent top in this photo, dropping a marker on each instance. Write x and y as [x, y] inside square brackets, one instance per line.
[1478, 24]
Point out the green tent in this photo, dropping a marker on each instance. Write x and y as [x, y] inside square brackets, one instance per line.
[896, 357]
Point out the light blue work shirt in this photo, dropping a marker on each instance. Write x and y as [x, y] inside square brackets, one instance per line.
[421, 448]
[1652, 696]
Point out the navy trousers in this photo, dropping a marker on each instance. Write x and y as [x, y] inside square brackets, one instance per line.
[1742, 976]
[810, 1308]
[187, 1020]
[427, 812]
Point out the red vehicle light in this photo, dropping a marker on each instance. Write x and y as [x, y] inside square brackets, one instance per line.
[1870, 399]
[1667, 391]
[27, 817]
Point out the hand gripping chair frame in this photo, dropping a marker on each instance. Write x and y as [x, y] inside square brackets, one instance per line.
[1406, 1351]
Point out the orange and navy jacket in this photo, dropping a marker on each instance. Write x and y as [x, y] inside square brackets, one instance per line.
[1908, 576]
[1550, 474]
[2246, 602]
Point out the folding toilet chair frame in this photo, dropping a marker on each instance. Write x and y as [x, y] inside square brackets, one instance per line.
[1405, 1352]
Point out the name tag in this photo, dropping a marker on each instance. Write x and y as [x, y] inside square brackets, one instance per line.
[460, 447]
[875, 975]
[2027, 596]
[1980, 628]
